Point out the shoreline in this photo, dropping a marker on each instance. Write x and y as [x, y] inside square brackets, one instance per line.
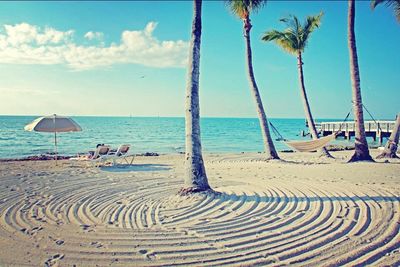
[46, 157]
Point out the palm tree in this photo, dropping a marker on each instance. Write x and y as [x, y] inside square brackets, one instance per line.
[195, 173]
[395, 4]
[242, 9]
[294, 40]
[361, 146]
[391, 145]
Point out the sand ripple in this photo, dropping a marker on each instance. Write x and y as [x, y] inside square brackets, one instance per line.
[120, 219]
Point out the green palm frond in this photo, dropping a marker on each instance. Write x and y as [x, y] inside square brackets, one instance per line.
[286, 40]
[243, 8]
[395, 4]
[295, 37]
[311, 23]
[292, 22]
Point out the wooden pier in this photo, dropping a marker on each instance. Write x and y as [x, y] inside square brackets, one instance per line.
[376, 130]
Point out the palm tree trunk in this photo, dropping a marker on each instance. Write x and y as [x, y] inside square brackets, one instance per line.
[392, 143]
[361, 145]
[306, 105]
[268, 143]
[195, 173]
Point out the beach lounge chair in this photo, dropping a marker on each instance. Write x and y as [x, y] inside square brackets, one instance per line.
[101, 155]
[122, 153]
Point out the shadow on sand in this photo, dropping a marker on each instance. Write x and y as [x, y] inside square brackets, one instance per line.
[136, 168]
[256, 198]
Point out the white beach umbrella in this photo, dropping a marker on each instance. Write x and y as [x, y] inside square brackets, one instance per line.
[53, 124]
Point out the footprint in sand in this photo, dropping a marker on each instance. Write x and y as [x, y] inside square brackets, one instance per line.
[87, 228]
[53, 261]
[143, 251]
[57, 241]
[96, 244]
[149, 255]
[24, 230]
[32, 231]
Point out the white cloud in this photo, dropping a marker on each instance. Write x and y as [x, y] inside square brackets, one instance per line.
[28, 44]
[94, 35]
[24, 33]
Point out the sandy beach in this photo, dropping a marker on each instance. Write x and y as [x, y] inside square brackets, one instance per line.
[303, 211]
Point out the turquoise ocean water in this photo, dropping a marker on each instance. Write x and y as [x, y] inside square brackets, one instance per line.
[145, 134]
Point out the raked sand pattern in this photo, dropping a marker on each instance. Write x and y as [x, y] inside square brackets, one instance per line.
[304, 212]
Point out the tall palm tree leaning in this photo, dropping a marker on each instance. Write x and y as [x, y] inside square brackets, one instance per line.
[395, 4]
[392, 143]
[294, 40]
[243, 8]
[195, 173]
[361, 146]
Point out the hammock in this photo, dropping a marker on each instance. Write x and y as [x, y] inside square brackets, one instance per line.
[311, 145]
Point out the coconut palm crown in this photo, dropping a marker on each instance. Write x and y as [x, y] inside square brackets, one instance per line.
[294, 39]
[243, 8]
[395, 4]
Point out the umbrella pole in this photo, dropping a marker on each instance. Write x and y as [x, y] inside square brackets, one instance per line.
[55, 143]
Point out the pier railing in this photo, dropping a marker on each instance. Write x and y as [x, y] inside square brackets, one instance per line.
[378, 129]
[384, 126]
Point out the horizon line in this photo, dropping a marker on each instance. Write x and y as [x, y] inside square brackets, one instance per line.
[181, 117]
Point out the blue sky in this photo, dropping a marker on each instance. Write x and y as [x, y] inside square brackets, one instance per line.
[90, 58]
